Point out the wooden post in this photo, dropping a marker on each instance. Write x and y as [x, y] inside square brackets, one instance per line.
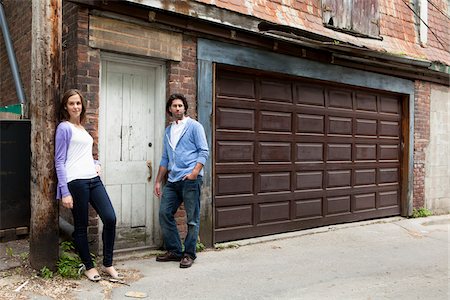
[45, 92]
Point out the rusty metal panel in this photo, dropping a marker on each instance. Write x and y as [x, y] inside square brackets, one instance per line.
[295, 153]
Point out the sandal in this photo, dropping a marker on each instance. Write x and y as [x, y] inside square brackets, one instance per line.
[114, 277]
[93, 278]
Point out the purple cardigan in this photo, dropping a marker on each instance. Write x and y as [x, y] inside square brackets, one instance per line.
[62, 142]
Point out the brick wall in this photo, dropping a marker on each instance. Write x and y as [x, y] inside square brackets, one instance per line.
[19, 23]
[182, 78]
[421, 139]
[81, 66]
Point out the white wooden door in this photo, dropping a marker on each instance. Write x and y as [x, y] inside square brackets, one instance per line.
[130, 131]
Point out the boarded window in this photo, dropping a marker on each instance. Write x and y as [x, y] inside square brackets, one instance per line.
[357, 17]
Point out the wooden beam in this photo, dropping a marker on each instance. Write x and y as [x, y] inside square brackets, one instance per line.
[46, 66]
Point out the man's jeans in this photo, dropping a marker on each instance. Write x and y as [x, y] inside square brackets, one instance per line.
[174, 193]
[85, 191]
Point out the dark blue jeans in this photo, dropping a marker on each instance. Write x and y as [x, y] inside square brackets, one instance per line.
[174, 193]
[85, 191]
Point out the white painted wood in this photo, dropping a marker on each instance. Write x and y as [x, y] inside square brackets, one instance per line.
[138, 201]
[132, 104]
[126, 205]
[423, 29]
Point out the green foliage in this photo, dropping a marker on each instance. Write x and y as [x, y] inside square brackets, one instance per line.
[46, 273]
[421, 213]
[200, 247]
[9, 251]
[69, 262]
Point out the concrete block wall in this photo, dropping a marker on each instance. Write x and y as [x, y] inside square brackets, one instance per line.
[437, 153]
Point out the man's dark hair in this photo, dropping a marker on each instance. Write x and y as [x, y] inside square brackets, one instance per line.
[174, 97]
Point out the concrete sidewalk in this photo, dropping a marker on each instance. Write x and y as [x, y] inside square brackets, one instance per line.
[392, 258]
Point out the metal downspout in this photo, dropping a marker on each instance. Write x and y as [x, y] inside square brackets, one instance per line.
[11, 57]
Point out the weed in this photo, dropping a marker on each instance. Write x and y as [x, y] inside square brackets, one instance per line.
[9, 251]
[421, 212]
[200, 247]
[69, 262]
[46, 273]
[24, 255]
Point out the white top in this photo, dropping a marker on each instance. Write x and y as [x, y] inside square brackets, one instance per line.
[175, 131]
[80, 163]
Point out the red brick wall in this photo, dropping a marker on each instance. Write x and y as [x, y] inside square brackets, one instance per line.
[18, 16]
[182, 78]
[81, 66]
[421, 139]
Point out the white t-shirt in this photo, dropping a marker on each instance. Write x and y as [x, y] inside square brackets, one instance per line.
[79, 162]
[175, 131]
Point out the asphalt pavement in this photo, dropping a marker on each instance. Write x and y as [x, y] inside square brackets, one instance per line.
[392, 258]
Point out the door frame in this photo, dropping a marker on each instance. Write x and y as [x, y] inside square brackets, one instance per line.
[159, 121]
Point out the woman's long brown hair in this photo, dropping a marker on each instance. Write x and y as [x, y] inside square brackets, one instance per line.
[63, 113]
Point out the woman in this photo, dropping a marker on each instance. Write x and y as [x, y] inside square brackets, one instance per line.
[79, 183]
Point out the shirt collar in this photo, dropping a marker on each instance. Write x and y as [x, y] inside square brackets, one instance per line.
[183, 121]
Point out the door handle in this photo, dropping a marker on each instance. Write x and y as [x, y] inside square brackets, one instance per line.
[150, 169]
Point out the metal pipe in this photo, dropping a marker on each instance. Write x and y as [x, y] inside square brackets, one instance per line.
[11, 55]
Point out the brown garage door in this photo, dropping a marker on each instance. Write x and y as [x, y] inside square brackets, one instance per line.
[293, 154]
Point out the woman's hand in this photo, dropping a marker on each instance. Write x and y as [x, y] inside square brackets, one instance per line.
[67, 201]
[98, 169]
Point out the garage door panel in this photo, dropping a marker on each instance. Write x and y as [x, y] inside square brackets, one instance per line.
[389, 129]
[308, 208]
[232, 184]
[366, 127]
[364, 177]
[235, 119]
[388, 175]
[234, 216]
[233, 86]
[337, 125]
[365, 152]
[275, 121]
[389, 105]
[272, 212]
[309, 180]
[390, 153]
[275, 152]
[235, 152]
[274, 182]
[276, 91]
[339, 152]
[301, 154]
[388, 198]
[338, 205]
[366, 102]
[340, 99]
[364, 202]
[308, 152]
[310, 95]
[310, 124]
[339, 179]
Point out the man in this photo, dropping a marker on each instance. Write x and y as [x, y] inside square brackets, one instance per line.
[185, 151]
